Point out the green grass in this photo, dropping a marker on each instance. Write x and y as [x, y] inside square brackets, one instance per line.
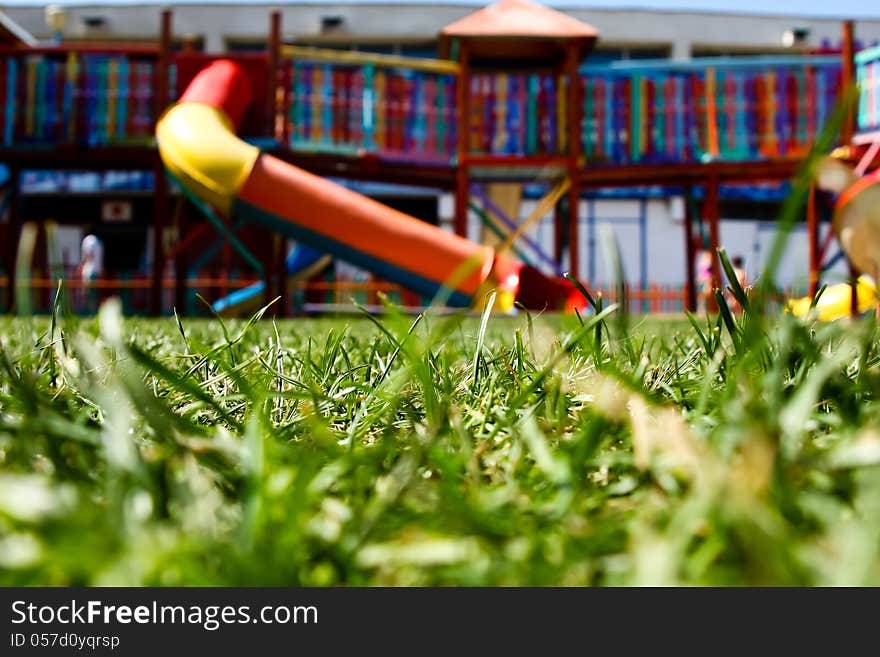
[435, 451]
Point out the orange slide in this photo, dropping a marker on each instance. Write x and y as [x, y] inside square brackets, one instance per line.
[198, 145]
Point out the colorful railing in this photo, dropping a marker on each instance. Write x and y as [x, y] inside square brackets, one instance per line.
[517, 114]
[406, 108]
[87, 97]
[736, 109]
[345, 102]
[868, 78]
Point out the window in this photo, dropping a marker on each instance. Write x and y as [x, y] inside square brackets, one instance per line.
[246, 45]
[606, 55]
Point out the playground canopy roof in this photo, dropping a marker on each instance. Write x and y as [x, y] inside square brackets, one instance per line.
[11, 33]
[519, 29]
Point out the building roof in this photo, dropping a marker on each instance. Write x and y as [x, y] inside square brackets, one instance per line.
[512, 29]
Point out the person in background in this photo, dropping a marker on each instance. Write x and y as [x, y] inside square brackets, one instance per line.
[90, 269]
[704, 281]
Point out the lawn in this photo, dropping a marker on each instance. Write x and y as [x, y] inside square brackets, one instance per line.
[398, 450]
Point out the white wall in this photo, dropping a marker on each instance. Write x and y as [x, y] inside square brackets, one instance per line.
[665, 242]
[678, 30]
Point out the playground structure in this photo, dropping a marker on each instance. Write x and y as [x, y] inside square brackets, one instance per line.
[488, 117]
[198, 147]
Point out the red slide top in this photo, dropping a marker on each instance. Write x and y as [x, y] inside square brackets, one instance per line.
[224, 85]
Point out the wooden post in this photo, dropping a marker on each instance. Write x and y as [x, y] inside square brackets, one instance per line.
[163, 64]
[573, 116]
[181, 259]
[574, 197]
[558, 236]
[286, 100]
[813, 237]
[160, 196]
[14, 208]
[274, 57]
[847, 80]
[463, 100]
[283, 306]
[689, 265]
[271, 271]
[160, 212]
[462, 196]
[713, 215]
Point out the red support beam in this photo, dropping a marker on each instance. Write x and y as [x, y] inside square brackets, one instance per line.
[558, 237]
[462, 182]
[282, 308]
[81, 49]
[180, 256]
[847, 80]
[163, 64]
[813, 237]
[274, 57]
[712, 213]
[516, 161]
[160, 196]
[226, 254]
[370, 168]
[462, 196]
[160, 216]
[690, 270]
[574, 197]
[826, 244]
[185, 243]
[286, 100]
[12, 235]
[574, 117]
[574, 108]
[684, 173]
[270, 291]
[75, 157]
[160, 220]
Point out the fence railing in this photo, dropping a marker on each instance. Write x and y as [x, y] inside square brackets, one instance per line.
[654, 299]
[660, 111]
[742, 109]
[868, 78]
[344, 102]
[517, 114]
[406, 108]
[315, 295]
[82, 96]
[134, 292]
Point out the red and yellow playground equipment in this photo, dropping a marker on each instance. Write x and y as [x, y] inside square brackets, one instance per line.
[511, 101]
[199, 147]
[848, 174]
[856, 224]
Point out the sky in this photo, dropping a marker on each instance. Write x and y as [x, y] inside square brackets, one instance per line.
[805, 8]
[823, 8]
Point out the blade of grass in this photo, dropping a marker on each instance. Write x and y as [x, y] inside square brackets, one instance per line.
[481, 335]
